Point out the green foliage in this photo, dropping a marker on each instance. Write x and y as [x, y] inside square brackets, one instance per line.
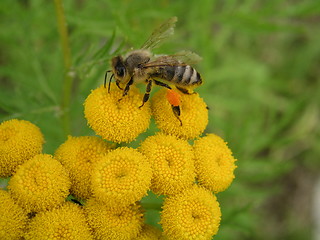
[261, 71]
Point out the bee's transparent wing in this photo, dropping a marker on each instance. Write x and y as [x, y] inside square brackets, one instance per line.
[164, 31]
[187, 57]
[179, 59]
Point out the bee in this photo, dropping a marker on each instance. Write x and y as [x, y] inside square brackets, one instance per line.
[141, 66]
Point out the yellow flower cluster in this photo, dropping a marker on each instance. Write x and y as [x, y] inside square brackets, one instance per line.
[194, 115]
[114, 120]
[65, 222]
[172, 162]
[19, 141]
[214, 163]
[106, 182]
[107, 223]
[121, 178]
[191, 214]
[40, 184]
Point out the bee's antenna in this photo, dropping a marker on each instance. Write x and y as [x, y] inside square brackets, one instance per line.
[110, 82]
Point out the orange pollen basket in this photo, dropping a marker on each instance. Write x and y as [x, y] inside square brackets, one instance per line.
[173, 97]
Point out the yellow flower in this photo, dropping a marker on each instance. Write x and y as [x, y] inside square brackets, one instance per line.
[65, 222]
[122, 177]
[77, 155]
[149, 233]
[194, 115]
[192, 214]
[172, 162]
[114, 120]
[19, 141]
[13, 219]
[114, 224]
[214, 163]
[40, 184]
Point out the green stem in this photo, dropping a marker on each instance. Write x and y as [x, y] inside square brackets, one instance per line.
[68, 79]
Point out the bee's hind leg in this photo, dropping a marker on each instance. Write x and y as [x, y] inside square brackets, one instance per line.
[185, 91]
[147, 94]
[177, 112]
[161, 84]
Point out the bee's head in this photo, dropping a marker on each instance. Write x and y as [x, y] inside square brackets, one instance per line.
[119, 69]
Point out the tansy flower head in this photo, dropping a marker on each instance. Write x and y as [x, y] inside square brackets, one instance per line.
[114, 120]
[65, 222]
[122, 177]
[149, 232]
[77, 155]
[192, 214]
[193, 115]
[40, 184]
[13, 219]
[172, 162]
[19, 141]
[114, 224]
[214, 163]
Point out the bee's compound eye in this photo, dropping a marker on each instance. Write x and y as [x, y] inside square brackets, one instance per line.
[120, 71]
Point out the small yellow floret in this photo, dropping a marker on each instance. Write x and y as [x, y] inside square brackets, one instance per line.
[13, 218]
[192, 214]
[77, 155]
[194, 115]
[114, 120]
[114, 224]
[214, 163]
[172, 162]
[20, 140]
[122, 177]
[65, 222]
[40, 184]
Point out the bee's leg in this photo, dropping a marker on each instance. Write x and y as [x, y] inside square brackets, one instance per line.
[105, 80]
[161, 84]
[147, 94]
[109, 82]
[127, 88]
[185, 91]
[177, 112]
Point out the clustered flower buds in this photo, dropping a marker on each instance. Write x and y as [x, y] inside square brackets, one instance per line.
[105, 181]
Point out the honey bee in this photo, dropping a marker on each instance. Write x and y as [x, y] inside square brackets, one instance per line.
[141, 66]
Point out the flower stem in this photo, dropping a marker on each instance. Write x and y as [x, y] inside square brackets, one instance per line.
[68, 78]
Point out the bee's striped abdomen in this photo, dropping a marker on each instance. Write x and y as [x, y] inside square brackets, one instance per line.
[180, 75]
[187, 76]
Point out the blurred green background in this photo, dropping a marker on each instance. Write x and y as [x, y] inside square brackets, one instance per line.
[261, 70]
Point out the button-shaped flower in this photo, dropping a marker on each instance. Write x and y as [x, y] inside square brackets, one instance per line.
[214, 163]
[172, 162]
[20, 140]
[66, 222]
[77, 155]
[122, 177]
[193, 115]
[40, 184]
[116, 118]
[114, 224]
[192, 214]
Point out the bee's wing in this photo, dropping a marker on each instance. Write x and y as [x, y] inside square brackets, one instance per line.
[186, 57]
[179, 59]
[161, 33]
